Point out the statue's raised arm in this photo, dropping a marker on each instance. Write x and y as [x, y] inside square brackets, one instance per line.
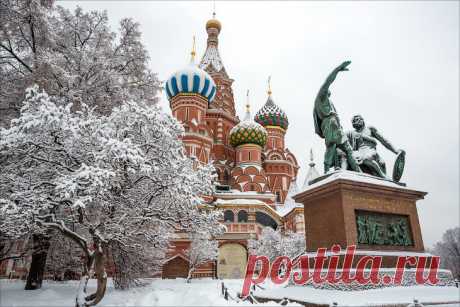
[323, 106]
[324, 90]
[327, 124]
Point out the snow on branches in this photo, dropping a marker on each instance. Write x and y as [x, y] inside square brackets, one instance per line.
[449, 250]
[120, 179]
[272, 244]
[72, 55]
[202, 249]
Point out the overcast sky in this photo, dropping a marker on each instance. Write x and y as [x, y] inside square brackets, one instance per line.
[404, 76]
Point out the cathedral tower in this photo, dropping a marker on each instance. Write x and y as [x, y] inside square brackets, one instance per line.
[248, 138]
[190, 91]
[220, 116]
[279, 163]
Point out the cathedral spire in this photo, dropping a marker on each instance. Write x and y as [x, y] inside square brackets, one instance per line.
[211, 61]
[312, 162]
[312, 172]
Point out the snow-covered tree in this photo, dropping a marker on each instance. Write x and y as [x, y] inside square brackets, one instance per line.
[202, 249]
[23, 31]
[272, 243]
[9, 240]
[268, 244]
[121, 178]
[72, 55]
[293, 244]
[13, 249]
[449, 251]
[64, 258]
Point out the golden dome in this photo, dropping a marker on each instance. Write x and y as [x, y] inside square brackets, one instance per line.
[213, 23]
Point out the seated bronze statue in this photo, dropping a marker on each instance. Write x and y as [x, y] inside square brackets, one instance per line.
[363, 141]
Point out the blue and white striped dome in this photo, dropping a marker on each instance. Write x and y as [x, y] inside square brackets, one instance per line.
[191, 80]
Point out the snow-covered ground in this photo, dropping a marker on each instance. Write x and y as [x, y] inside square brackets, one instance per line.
[158, 292]
[206, 292]
[389, 295]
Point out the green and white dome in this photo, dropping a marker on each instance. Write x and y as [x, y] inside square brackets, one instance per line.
[248, 132]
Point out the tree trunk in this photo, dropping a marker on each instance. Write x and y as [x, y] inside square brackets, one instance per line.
[189, 276]
[41, 244]
[97, 262]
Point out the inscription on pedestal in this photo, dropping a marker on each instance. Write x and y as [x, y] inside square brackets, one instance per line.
[375, 228]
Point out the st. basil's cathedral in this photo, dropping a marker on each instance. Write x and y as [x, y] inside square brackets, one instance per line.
[256, 172]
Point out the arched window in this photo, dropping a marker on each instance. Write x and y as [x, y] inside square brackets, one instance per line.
[275, 156]
[242, 217]
[219, 174]
[229, 217]
[266, 220]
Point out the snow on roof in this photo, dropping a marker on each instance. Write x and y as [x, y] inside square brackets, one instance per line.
[354, 176]
[242, 201]
[250, 194]
[238, 201]
[311, 174]
[285, 209]
[373, 253]
[289, 203]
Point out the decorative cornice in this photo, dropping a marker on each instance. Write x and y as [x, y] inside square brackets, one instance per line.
[276, 127]
[356, 186]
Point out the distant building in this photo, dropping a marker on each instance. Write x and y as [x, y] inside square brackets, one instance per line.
[256, 172]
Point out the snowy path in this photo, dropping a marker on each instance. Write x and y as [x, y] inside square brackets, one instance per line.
[206, 292]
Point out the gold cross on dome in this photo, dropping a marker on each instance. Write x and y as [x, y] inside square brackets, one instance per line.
[193, 53]
[269, 85]
[247, 101]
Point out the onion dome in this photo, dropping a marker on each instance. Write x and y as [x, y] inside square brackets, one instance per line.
[248, 132]
[191, 80]
[213, 23]
[271, 114]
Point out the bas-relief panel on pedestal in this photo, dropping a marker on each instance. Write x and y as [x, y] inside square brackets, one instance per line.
[375, 228]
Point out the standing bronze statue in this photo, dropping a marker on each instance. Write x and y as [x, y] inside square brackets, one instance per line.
[357, 150]
[327, 125]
